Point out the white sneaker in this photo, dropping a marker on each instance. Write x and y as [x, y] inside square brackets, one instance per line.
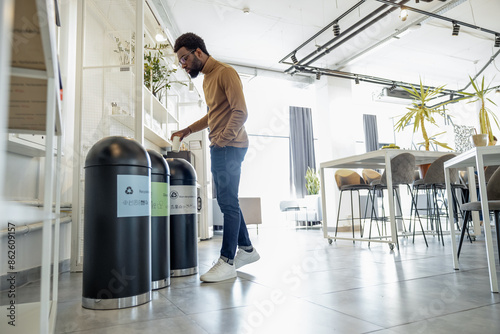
[219, 272]
[243, 257]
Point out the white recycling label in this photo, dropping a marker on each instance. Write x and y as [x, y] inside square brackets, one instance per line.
[133, 196]
[182, 200]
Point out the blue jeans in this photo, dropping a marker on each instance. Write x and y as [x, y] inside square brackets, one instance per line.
[226, 171]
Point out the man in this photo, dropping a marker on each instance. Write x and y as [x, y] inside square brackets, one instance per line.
[227, 112]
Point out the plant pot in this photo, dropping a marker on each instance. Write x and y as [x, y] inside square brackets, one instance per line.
[423, 169]
[480, 140]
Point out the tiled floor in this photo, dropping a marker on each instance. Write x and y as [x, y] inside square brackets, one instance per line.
[304, 285]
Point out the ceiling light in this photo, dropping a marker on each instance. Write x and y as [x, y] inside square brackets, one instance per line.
[336, 29]
[318, 75]
[403, 15]
[456, 29]
[497, 40]
[246, 11]
[294, 58]
[160, 37]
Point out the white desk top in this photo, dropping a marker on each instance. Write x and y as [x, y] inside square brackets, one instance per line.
[377, 159]
[490, 154]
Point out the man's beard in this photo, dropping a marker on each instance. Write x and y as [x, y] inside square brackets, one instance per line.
[196, 67]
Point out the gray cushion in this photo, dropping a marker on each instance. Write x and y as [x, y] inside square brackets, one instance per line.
[355, 187]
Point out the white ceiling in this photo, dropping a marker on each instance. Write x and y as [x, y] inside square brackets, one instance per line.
[273, 29]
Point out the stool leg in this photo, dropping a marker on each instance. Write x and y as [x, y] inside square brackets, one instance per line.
[497, 219]
[352, 216]
[462, 233]
[413, 201]
[338, 213]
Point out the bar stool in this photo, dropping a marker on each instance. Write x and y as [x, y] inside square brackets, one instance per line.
[403, 171]
[349, 180]
[433, 183]
[493, 193]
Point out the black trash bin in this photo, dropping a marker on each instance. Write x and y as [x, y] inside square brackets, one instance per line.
[117, 227]
[183, 218]
[160, 225]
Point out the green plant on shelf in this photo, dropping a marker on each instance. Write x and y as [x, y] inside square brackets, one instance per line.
[156, 73]
[125, 50]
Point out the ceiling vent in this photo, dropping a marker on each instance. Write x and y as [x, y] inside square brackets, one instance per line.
[387, 95]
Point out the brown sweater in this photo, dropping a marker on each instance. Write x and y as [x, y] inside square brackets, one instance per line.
[227, 111]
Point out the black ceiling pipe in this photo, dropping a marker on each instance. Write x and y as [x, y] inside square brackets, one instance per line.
[353, 27]
[375, 20]
[481, 71]
[423, 12]
[322, 30]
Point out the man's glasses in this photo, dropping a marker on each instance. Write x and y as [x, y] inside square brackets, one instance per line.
[182, 60]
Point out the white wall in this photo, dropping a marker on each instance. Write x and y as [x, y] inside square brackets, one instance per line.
[265, 171]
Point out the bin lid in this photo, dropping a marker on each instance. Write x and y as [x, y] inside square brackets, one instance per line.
[117, 151]
[181, 169]
[158, 164]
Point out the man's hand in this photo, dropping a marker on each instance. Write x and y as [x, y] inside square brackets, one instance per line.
[181, 133]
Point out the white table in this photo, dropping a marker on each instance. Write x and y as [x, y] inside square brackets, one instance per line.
[478, 157]
[380, 159]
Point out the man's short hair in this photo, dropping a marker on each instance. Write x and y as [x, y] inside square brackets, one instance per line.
[191, 42]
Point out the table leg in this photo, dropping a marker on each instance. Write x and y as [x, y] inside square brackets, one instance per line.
[390, 194]
[486, 223]
[451, 211]
[473, 198]
[323, 201]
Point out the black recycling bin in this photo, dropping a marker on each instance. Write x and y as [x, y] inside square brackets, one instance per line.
[183, 218]
[117, 226]
[160, 225]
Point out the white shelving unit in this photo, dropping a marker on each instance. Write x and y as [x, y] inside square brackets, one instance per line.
[111, 97]
[34, 107]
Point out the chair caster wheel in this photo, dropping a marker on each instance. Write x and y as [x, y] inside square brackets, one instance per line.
[391, 246]
[330, 241]
[473, 237]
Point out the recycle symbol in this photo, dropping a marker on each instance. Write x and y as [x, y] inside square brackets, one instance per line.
[129, 191]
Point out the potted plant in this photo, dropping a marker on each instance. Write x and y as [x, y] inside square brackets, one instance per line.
[312, 199]
[485, 113]
[156, 73]
[126, 51]
[312, 182]
[420, 113]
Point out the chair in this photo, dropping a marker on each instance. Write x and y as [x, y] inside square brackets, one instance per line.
[403, 173]
[432, 183]
[464, 178]
[493, 193]
[349, 180]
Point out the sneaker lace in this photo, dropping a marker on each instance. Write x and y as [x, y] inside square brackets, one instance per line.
[215, 265]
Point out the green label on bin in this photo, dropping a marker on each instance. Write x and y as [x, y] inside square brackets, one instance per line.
[159, 199]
